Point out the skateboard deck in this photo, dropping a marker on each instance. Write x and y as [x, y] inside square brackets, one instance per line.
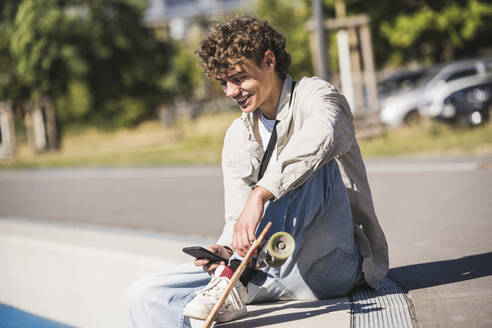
[279, 247]
[249, 255]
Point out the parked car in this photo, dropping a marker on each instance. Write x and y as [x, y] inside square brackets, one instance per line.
[469, 103]
[399, 82]
[404, 107]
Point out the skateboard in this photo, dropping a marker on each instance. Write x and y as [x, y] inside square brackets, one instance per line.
[276, 252]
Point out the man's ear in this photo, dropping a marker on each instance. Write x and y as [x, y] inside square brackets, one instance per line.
[269, 60]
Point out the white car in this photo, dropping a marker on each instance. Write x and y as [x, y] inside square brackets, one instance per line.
[467, 100]
[404, 107]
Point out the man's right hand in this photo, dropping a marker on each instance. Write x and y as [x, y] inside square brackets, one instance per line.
[210, 267]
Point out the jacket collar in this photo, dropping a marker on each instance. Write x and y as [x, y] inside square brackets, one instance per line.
[250, 120]
[282, 108]
[283, 102]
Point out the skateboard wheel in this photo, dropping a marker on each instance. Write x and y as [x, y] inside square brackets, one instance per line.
[279, 247]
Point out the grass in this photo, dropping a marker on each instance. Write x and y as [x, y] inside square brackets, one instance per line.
[199, 142]
[430, 139]
[188, 143]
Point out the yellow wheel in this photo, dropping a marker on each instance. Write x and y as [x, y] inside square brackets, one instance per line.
[279, 247]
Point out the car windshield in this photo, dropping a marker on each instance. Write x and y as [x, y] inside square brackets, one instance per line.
[399, 82]
[429, 75]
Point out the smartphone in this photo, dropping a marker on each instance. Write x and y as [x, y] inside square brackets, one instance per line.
[202, 253]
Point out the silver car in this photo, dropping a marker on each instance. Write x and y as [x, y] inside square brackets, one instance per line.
[404, 107]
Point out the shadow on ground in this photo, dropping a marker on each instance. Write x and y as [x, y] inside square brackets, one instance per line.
[366, 303]
[288, 312]
[431, 274]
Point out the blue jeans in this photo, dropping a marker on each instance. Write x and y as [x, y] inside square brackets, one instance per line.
[326, 262]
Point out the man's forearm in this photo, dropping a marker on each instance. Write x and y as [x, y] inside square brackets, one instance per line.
[262, 193]
[244, 229]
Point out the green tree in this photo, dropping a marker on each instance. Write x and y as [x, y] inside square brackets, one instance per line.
[10, 86]
[45, 58]
[185, 75]
[441, 32]
[426, 31]
[127, 63]
[96, 59]
[290, 18]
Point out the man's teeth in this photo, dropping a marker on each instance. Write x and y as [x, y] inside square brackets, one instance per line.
[242, 99]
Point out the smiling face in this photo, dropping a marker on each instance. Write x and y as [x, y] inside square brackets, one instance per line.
[254, 86]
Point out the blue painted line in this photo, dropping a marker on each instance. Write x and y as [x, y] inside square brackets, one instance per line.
[14, 318]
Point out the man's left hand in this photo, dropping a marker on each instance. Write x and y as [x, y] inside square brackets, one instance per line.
[244, 230]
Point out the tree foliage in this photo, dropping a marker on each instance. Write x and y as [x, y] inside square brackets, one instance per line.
[403, 31]
[96, 59]
[101, 65]
[456, 29]
[10, 87]
[426, 31]
[290, 18]
[185, 75]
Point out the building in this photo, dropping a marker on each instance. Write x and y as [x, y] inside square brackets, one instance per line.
[176, 14]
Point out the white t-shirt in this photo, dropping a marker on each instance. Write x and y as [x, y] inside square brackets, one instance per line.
[265, 128]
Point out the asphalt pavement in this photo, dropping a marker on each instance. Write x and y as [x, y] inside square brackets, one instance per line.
[436, 213]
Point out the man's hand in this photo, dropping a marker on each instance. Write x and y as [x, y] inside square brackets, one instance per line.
[244, 230]
[210, 267]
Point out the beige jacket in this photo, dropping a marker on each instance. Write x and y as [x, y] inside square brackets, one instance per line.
[316, 128]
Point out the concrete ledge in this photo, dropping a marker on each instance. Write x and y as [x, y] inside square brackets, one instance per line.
[79, 276]
[76, 275]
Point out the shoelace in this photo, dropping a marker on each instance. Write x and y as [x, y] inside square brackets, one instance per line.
[235, 300]
[215, 288]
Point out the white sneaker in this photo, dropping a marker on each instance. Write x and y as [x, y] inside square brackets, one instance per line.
[205, 299]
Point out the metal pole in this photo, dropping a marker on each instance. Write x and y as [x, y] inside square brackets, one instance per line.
[321, 67]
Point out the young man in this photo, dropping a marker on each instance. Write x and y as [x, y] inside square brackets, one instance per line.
[291, 158]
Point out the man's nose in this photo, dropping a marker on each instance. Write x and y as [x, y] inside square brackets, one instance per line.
[232, 89]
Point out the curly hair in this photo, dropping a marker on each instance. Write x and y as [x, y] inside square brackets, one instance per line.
[226, 44]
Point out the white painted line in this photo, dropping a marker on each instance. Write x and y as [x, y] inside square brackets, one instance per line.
[134, 173]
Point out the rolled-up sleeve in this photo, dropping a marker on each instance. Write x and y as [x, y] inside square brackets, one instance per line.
[326, 132]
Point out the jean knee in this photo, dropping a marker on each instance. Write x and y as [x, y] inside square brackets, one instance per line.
[143, 293]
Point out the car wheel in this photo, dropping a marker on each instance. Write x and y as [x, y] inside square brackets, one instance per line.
[488, 113]
[412, 118]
